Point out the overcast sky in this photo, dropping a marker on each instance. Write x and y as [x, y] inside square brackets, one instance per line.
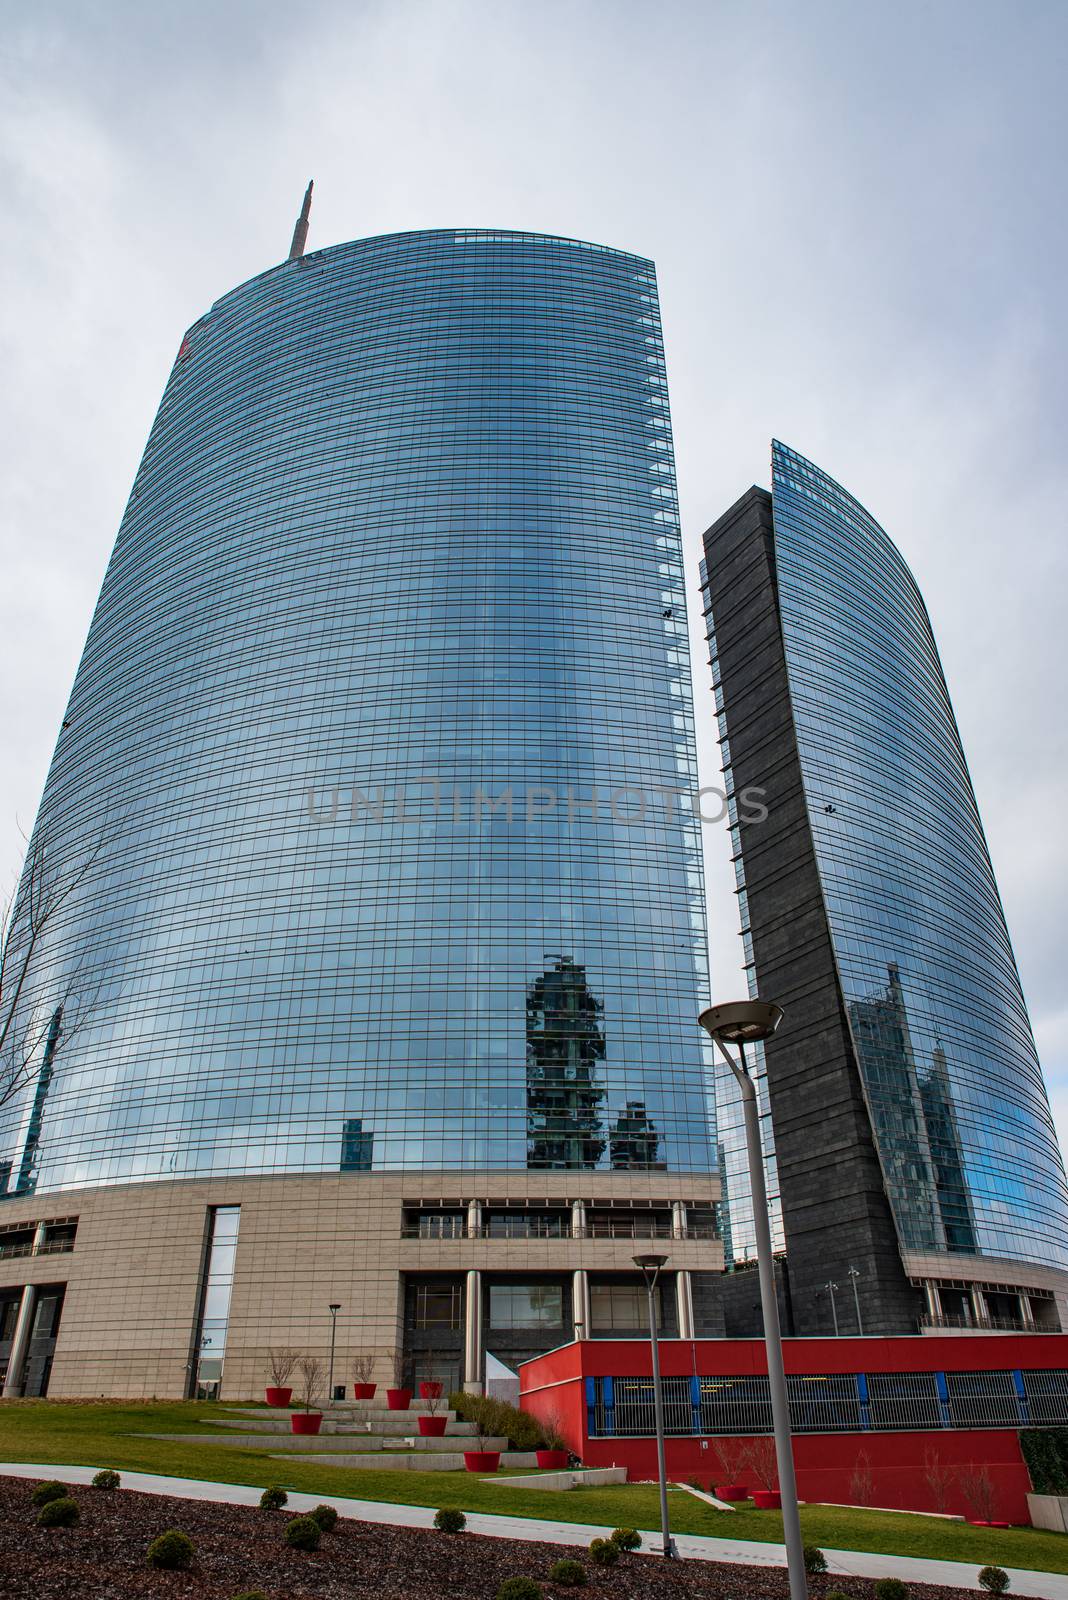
[857, 213]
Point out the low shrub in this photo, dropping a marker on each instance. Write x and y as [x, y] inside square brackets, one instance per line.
[62, 1513]
[627, 1538]
[249, 1594]
[569, 1574]
[450, 1520]
[49, 1491]
[273, 1497]
[836, 1594]
[995, 1580]
[891, 1589]
[605, 1552]
[326, 1517]
[499, 1420]
[519, 1589]
[303, 1533]
[108, 1478]
[172, 1551]
[815, 1560]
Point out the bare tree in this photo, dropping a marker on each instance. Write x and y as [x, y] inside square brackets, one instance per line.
[939, 1476]
[762, 1462]
[362, 1366]
[33, 1023]
[977, 1491]
[312, 1378]
[280, 1363]
[861, 1481]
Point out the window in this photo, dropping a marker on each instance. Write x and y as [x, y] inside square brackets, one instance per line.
[619, 1307]
[521, 1305]
[215, 1301]
[437, 1305]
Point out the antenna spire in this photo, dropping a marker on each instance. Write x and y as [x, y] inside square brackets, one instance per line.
[300, 232]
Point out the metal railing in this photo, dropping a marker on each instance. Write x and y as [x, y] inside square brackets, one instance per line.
[51, 1247]
[989, 1324]
[553, 1228]
[831, 1403]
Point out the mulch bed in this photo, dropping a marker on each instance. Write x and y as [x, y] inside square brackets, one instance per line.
[240, 1548]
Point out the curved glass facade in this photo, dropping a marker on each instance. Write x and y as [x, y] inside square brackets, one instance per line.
[953, 1083]
[366, 804]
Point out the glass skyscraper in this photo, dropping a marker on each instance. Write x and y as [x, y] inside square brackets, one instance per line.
[884, 877]
[370, 807]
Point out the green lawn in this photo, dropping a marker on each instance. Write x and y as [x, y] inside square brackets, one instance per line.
[110, 1436]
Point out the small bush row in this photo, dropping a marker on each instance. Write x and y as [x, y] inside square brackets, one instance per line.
[995, 1580]
[571, 1574]
[497, 1419]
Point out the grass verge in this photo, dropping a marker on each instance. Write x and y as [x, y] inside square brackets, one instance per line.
[113, 1435]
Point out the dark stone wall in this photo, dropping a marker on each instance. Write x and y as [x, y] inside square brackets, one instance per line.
[835, 1209]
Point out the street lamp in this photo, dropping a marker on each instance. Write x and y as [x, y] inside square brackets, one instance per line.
[334, 1309]
[748, 1022]
[650, 1268]
[831, 1289]
[853, 1277]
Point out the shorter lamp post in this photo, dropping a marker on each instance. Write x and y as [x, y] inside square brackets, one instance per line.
[650, 1268]
[334, 1309]
[747, 1022]
[832, 1289]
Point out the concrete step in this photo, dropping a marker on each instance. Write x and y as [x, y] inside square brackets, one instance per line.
[400, 1423]
[342, 1444]
[356, 1414]
[414, 1461]
[570, 1478]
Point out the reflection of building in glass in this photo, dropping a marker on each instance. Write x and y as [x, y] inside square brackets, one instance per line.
[884, 1050]
[565, 1069]
[403, 544]
[357, 1147]
[917, 1148]
[634, 1142]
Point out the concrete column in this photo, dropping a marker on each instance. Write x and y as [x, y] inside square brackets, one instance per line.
[932, 1302]
[684, 1303]
[578, 1219]
[474, 1218]
[979, 1310]
[39, 1238]
[473, 1333]
[20, 1344]
[678, 1219]
[580, 1302]
[1027, 1316]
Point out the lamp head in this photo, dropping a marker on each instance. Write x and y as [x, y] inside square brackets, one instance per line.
[335, 1309]
[741, 1021]
[650, 1263]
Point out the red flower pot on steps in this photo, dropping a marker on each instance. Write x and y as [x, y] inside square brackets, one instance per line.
[767, 1499]
[430, 1389]
[306, 1421]
[398, 1399]
[482, 1460]
[277, 1397]
[551, 1460]
[731, 1491]
[364, 1391]
[432, 1427]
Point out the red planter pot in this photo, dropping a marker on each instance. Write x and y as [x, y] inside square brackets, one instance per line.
[306, 1421]
[432, 1427]
[364, 1391]
[552, 1460]
[767, 1499]
[279, 1398]
[430, 1390]
[482, 1460]
[398, 1399]
[731, 1491]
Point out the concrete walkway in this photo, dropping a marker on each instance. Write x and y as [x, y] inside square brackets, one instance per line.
[743, 1552]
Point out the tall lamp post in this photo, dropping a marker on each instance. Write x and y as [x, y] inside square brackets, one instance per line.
[854, 1275]
[650, 1268]
[334, 1309]
[748, 1022]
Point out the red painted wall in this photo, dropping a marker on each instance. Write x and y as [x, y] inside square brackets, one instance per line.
[830, 1467]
